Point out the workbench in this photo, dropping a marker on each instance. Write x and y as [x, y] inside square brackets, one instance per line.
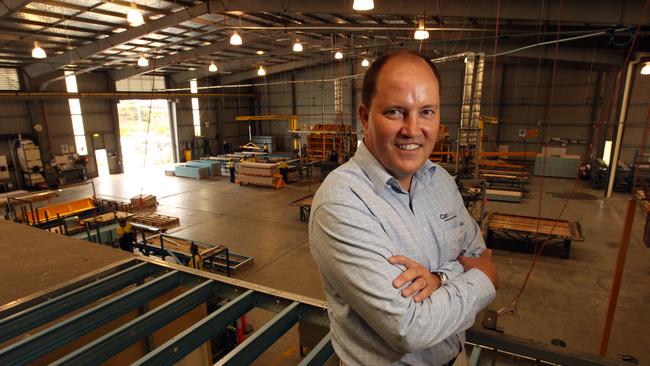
[533, 231]
[304, 206]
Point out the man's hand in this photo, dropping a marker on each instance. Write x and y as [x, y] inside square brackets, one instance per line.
[423, 282]
[484, 264]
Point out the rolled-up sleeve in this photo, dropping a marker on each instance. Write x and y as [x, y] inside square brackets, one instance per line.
[352, 249]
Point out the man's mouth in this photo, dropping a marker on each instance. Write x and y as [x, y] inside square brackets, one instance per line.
[409, 147]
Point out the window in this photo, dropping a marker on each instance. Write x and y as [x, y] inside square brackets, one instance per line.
[75, 114]
[9, 79]
[607, 152]
[196, 112]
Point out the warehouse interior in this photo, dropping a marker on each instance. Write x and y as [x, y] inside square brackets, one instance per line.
[212, 124]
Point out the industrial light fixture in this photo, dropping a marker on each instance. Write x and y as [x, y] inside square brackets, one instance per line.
[143, 62]
[645, 70]
[212, 67]
[338, 55]
[134, 17]
[363, 5]
[261, 71]
[297, 47]
[235, 39]
[260, 52]
[365, 62]
[421, 33]
[37, 51]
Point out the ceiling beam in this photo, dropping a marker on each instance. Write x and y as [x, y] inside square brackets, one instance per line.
[176, 58]
[592, 12]
[274, 69]
[57, 62]
[8, 7]
[226, 66]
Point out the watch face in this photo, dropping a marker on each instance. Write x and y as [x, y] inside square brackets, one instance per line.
[443, 276]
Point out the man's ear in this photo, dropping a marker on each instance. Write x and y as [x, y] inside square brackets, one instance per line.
[363, 116]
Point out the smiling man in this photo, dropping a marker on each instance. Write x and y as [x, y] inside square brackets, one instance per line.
[387, 230]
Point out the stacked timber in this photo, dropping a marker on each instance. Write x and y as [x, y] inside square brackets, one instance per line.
[261, 174]
[143, 201]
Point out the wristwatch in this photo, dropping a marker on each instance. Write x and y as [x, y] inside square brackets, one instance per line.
[443, 277]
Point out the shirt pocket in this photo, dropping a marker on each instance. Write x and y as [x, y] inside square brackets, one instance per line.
[454, 243]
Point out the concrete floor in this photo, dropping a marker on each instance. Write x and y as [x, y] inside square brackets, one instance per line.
[564, 298]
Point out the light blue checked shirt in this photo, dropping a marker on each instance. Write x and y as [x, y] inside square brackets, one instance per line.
[359, 218]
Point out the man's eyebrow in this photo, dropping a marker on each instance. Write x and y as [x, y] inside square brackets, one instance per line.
[434, 106]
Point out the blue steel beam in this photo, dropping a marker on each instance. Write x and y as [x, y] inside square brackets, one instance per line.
[535, 350]
[249, 350]
[28, 302]
[121, 338]
[320, 354]
[31, 348]
[178, 347]
[38, 315]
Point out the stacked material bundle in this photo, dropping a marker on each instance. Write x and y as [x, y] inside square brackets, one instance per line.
[143, 201]
[261, 174]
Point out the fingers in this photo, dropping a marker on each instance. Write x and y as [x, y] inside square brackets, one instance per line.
[403, 260]
[406, 277]
[423, 294]
[415, 287]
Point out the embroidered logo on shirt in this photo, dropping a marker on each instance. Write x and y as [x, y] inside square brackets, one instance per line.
[446, 217]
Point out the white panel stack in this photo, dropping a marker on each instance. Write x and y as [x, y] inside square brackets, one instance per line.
[4, 168]
[29, 157]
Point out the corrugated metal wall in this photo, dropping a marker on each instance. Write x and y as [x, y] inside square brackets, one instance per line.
[636, 118]
[519, 99]
[314, 100]
[218, 113]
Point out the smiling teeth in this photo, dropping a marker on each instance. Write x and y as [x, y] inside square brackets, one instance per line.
[409, 146]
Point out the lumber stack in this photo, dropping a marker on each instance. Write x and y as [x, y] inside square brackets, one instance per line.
[261, 174]
[143, 201]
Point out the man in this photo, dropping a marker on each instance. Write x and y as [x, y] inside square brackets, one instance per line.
[125, 235]
[388, 229]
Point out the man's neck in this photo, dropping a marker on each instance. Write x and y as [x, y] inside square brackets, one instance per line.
[405, 182]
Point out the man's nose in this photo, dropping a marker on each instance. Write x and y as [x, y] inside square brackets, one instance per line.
[410, 126]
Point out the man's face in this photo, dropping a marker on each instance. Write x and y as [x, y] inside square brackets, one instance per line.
[401, 126]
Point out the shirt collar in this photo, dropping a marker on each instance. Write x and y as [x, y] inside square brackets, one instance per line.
[379, 176]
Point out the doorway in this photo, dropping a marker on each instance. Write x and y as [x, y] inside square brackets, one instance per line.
[145, 134]
[102, 162]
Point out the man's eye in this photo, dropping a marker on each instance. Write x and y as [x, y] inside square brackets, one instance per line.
[393, 113]
[428, 113]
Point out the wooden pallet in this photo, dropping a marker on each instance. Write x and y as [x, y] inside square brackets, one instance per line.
[535, 225]
[162, 222]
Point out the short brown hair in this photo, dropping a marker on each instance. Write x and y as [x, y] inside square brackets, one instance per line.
[370, 78]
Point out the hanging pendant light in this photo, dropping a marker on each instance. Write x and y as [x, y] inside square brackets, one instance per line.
[365, 62]
[134, 17]
[235, 39]
[143, 62]
[645, 70]
[363, 5]
[421, 33]
[37, 51]
[261, 71]
[338, 55]
[297, 47]
[212, 67]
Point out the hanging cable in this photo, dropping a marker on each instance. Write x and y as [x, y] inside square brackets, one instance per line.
[513, 304]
